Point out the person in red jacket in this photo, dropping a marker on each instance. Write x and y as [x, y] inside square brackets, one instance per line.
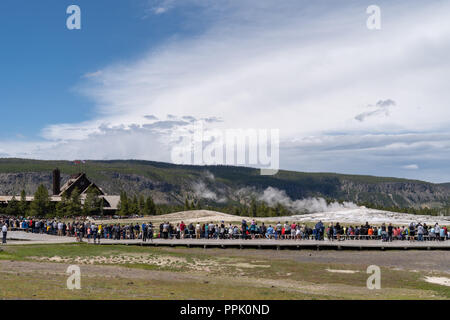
[182, 228]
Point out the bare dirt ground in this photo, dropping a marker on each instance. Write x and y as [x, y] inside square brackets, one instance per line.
[401, 260]
[280, 288]
[189, 273]
[49, 269]
[438, 261]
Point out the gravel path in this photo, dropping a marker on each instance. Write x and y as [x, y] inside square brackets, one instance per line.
[19, 237]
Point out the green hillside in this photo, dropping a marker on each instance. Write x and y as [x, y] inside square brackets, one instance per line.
[171, 184]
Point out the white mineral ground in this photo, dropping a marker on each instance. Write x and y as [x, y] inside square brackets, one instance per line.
[443, 281]
[359, 215]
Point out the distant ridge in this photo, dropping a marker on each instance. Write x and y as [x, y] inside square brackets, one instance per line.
[171, 184]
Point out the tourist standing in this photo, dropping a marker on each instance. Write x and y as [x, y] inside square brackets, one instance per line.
[390, 231]
[330, 232]
[182, 229]
[338, 231]
[166, 230]
[144, 232]
[420, 232]
[4, 231]
[95, 235]
[198, 230]
[412, 231]
[244, 229]
[150, 231]
[278, 229]
[318, 228]
[437, 231]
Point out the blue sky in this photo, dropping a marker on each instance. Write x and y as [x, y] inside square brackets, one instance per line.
[131, 81]
[43, 61]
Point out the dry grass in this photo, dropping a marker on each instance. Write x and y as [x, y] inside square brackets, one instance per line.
[123, 272]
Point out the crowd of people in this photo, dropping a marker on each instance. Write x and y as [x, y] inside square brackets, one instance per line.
[245, 230]
[77, 228]
[297, 231]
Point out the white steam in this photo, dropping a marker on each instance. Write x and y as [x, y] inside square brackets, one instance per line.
[273, 196]
[201, 191]
[208, 174]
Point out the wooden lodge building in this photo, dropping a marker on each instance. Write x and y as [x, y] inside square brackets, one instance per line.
[79, 181]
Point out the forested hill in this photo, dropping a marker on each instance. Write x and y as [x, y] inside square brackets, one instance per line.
[171, 184]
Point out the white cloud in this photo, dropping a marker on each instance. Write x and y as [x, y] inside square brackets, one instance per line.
[411, 167]
[161, 6]
[303, 67]
[92, 74]
[246, 76]
[160, 10]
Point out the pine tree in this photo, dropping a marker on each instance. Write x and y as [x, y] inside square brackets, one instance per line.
[134, 206]
[13, 207]
[40, 206]
[141, 205]
[62, 207]
[262, 210]
[102, 206]
[74, 207]
[150, 207]
[254, 209]
[123, 204]
[91, 203]
[23, 206]
[278, 210]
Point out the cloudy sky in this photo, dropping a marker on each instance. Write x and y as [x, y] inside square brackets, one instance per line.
[345, 98]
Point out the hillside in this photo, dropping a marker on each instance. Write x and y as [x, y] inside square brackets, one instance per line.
[170, 184]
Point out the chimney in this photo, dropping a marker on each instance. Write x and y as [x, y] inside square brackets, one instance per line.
[56, 182]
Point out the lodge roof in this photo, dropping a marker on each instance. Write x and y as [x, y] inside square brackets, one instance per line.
[81, 182]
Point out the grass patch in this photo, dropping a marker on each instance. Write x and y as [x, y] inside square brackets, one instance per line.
[204, 274]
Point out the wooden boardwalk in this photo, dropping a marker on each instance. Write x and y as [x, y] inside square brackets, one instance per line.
[17, 238]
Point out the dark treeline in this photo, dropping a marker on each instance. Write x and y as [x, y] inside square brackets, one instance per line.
[42, 206]
[93, 205]
[252, 209]
[140, 206]
[418, 211]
